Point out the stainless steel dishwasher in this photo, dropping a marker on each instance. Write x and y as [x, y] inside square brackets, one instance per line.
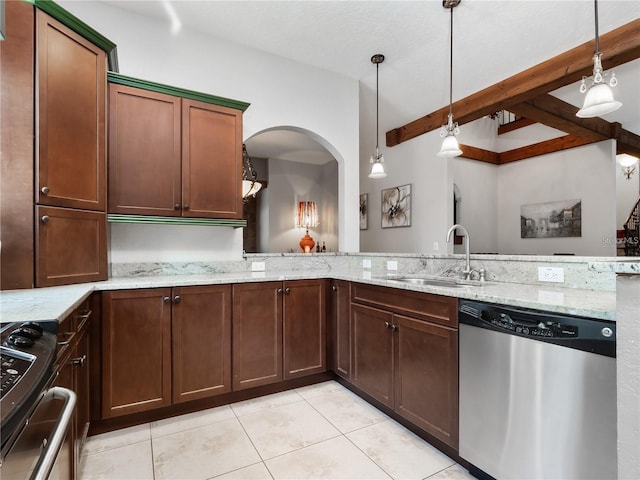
[537, 394]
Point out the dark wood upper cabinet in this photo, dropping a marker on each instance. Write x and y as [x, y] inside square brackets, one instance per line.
[70, 117]
[144, 152]
[211, 160]
[172, 156]
[71, 246]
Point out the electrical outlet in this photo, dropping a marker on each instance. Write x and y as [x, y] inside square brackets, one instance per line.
[366, 263]
[392, 265]
[257, 266]
[551, 274]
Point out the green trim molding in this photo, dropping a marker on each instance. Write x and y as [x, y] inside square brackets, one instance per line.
[81, 28]
[120, 79]
[150, 219]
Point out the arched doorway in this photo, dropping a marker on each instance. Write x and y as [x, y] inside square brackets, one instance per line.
[296, 165]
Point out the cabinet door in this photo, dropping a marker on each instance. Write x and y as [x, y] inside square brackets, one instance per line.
[304, 329]
[211, 160]
[373, 352]
[257, 334]
[71, 246]
[201, 338]
[71, 123]
[427, 377]
[144, 152]
[136, 351]
[341, 334]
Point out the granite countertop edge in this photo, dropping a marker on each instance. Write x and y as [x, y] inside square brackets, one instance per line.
[56, 303]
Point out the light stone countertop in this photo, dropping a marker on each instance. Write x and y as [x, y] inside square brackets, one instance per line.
[623, 267]
[55, 303]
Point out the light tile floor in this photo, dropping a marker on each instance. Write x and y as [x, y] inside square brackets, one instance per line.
[322, 431]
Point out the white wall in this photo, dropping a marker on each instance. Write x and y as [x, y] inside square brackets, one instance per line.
[285, 93]
[293, 182]
[584, 173]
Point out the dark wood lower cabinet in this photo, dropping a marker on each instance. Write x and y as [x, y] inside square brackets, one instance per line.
[162, 346]
[340, 337]
[201, 340]
[408, 364]
[278, 331]
[136, 351]
[373, 352]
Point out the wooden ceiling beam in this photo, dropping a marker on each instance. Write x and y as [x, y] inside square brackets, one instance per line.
[618, 46]
[558, 114]
[480, 154]
[515, 125]
[627, 142]
[542, 148]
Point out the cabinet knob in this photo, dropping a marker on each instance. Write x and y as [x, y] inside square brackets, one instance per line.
[44, 218]
[176, 206]
[387, 325]
[287, 291]
[166, 299]
[334, 288]
[44, 190]
[186, 206]
[394, 328]
[176, 299]
[279, 291]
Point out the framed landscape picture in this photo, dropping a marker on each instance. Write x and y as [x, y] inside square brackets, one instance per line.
[396, 207]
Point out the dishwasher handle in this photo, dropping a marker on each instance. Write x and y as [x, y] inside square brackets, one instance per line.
[54, 442]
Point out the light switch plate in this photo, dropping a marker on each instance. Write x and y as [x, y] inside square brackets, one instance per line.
[257, 266]
[392, 265]
[366, 263]
[551, 274]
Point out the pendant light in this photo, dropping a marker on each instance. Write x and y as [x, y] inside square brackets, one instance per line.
[599, 99]
[450, 147]
[250, 183]
[376, 160]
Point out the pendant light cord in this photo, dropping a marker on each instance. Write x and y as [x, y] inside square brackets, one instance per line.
[451, 67]
[377, 108]
[595, 2]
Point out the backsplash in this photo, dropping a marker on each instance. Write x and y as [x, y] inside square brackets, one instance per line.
[499, 268]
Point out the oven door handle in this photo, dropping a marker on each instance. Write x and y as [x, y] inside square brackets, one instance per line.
[54, 443]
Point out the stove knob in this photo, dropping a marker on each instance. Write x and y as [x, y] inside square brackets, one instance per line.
[18, 341]
[28, 332]
[34, 326]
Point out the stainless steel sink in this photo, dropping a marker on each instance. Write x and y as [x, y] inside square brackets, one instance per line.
[437, 282]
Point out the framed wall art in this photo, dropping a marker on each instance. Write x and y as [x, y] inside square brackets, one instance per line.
[561, 218]
[364, 211]
[396, 207]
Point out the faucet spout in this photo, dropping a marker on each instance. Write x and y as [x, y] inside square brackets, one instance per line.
[467, 270]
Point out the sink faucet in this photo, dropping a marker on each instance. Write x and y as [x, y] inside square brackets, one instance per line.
[467, 269]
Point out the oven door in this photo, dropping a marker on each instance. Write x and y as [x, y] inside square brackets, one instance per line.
[33, 455]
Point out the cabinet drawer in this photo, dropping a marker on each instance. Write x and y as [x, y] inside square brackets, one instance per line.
[424, 306]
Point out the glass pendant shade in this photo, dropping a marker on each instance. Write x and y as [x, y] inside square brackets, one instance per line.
[626, 160]
[450, 147]
[377, 169]
[598, 101]
[250, 187]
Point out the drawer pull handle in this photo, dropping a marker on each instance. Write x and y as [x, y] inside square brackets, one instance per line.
[44, 219]
[80, 361]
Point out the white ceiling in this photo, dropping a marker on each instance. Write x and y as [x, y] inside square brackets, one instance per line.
[492, 41]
